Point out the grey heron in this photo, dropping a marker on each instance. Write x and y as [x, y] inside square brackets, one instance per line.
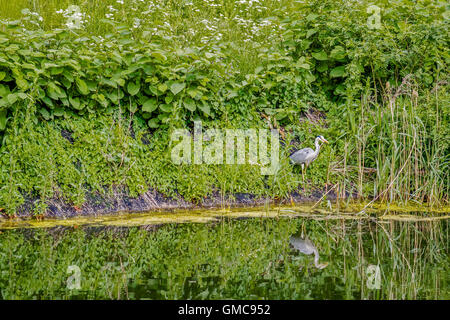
[304, 245]
[307, 155]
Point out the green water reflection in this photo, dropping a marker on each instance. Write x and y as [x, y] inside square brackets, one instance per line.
[232, 258]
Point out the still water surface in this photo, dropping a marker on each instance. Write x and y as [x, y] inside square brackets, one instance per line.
[228, 258]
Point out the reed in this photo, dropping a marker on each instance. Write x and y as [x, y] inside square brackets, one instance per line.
[397, 148]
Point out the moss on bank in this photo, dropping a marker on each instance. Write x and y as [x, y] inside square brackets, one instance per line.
[337, 211]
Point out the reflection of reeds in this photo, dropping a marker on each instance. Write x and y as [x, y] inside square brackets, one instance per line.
[405, 253]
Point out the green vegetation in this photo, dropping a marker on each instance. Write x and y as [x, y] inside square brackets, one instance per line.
[221, 261]
[90, 109]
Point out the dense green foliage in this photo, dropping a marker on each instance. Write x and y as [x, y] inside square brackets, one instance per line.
[384, 91]
[328, 47]
[221, 261]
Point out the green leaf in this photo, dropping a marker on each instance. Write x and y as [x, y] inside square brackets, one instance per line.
[22, 83]
[310, 32]
[168, 98]
[75, 102]
[189, 104]
[259, 69]
[22, 95]
[82, 86]
[340, 90]
[305, 44]
[68, 75]
[66, 83]
[146, 115]
[4, 90]
[133, 107]
[310, 77]
[281, 115]
[205, 108]
[337, 72]
[338, 53]
[108, 82]
[133, 88]
[159, 56]
[55, 92]
[48, 101]
[153, 123]
[45, 113]
[153, 90]
[176, 87]
[120, 82]
[56, 70]
[312, 16]
[65, 102]
[322, 67]
[231, 94]
[12, 97]
[193, 92]
[150, 105]
[162, 87]
[58, 112]
[166, 107]
[2, 75]
[301, 63]
[92, 85]
[321, 55]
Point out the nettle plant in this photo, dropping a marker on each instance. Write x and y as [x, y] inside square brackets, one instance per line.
[326, 46]
[334, 40]
[57, 74]
[62, 75]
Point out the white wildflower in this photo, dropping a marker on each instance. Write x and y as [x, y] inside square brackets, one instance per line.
[136, 23]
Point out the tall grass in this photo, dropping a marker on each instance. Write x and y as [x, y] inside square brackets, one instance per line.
[397, 147]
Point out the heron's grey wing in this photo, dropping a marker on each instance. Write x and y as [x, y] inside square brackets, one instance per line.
[295, 242]
[301, 155]
[301, 245]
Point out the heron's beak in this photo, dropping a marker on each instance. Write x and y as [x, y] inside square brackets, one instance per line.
[324, 140]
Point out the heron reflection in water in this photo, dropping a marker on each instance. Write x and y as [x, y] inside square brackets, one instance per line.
[304, 245]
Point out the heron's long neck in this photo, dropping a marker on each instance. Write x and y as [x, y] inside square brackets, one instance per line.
[316, 258]
[316, 152]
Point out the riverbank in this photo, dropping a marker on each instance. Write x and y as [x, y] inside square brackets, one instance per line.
[88, 110]
[162, 213]
[119, 201]
[106, 165]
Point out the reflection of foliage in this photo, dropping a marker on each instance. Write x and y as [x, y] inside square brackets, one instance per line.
[245, 259]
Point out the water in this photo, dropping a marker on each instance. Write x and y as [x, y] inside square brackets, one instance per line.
[228, 259]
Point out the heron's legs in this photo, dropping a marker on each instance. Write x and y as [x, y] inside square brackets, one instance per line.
[303, 174]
